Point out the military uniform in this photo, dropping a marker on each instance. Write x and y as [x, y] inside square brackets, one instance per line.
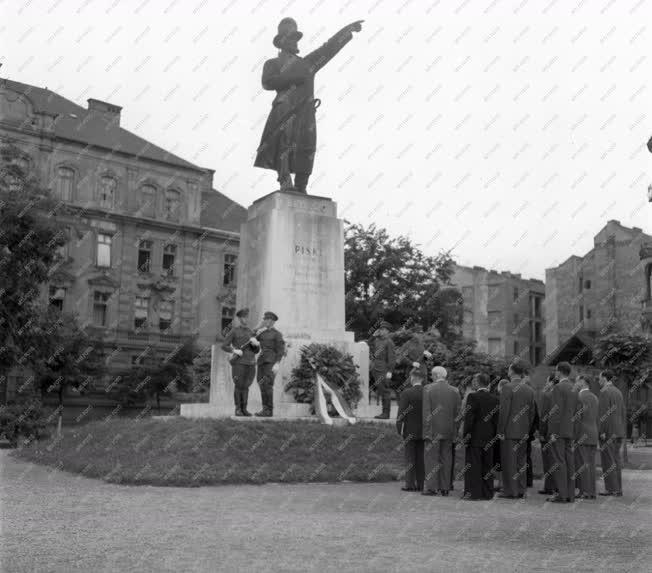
[384, 359]
[243, 368]
[272, 349]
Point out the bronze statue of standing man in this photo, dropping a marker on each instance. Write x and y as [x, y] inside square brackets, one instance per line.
[289, 138]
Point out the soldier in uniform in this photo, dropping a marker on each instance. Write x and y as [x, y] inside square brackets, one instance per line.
[243, 346]
[272, 350]
[384, 359]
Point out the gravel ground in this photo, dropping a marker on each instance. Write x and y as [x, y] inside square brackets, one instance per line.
[54, 521]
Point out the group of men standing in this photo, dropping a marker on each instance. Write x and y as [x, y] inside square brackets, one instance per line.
[243, 343]
[497, 430]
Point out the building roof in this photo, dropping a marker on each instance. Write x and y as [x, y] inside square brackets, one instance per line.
[576, 349]
[86, 126]
[220, 212]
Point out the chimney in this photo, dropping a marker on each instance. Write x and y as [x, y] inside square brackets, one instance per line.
[108, 110]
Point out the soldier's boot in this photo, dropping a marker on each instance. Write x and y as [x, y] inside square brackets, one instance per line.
[386, 406]
[236, 401]
[243, 402]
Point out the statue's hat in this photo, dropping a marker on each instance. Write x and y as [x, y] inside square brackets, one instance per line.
[287, 28]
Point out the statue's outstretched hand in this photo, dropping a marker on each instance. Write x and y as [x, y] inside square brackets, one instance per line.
[355, 26]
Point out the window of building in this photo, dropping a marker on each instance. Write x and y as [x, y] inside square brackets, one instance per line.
[537, 332]
[468, 318]
[64, 183]
[228, 313]
[537, 306]
[516, 348]
[100, 308]
[581, 284]
[108, 186]
[537, 355]
[581, 313]
[172, 203]
[56, 297]
[165, 315]
[587, 284]
[230, 262]
[104, 250]
[169, 256]
[144, 256]
[495, 318]
[588, 313]
[141, 311]
[495, 346]
[515, 294]
[148, 200]
[517, 320]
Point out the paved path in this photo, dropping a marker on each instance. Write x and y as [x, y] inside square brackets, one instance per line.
[53, 521]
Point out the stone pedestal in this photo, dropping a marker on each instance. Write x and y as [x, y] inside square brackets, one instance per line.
[291, 262]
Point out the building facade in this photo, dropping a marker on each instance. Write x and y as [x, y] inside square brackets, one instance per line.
[152, 247]
[503, 312]
[605, 287]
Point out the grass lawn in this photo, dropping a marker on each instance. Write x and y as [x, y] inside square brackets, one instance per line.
[190, 453]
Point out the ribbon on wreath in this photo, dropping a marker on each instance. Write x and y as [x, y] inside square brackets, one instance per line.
[322, 388]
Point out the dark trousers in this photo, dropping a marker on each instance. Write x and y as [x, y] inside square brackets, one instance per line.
[546, 458]
[437, 456]
[563, 467]
[414, 464]
[265, 377]
[478, 478]
[513, 460]
[452, 464]
[529, 474]
[383, 390]
[585, 469]
[612, 465]
[243, 376]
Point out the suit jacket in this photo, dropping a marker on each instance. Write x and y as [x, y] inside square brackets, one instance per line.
[587, 419]
[384, 356]
[481, 418]
[562, 410]
[611, 412]
[409, 420]
[546, 403]
[441, 407]
[272, 346]
[517, 410]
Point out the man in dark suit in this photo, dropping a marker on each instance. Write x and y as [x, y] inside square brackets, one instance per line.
[529, 474]
[272, 350]
[546, 453]
[516, 416]
[611, 428]
[480, 425]
[409, 424]
[561, 430]
[586, 439]
[441, 406]
[382, 365]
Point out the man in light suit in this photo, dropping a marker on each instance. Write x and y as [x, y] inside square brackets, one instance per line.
[409, 424]
[517, 410]
[441, 407]
[611, 428]
[561, 430]
[586, 439]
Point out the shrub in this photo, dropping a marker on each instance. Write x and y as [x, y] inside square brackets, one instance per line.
[26, 419]
[335, 366]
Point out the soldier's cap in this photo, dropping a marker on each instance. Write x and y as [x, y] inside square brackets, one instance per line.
[270, 315]
[385, 324]
[243, 312]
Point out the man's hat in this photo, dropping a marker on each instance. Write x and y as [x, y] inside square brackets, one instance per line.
[271, 315]
[243, 312]
[385, 324]
[287, 28]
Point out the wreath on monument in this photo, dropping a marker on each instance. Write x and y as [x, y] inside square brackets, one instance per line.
[335, 366]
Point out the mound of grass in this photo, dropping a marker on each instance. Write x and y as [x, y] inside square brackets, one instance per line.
[191, 453]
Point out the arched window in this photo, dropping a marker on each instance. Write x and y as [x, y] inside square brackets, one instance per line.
[64, 183]
[108, 185]
[147, 200]
[172, 204]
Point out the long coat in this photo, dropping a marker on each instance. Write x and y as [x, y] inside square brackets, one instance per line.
[291, 122]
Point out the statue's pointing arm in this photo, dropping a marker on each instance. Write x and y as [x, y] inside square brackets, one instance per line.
[324, 54]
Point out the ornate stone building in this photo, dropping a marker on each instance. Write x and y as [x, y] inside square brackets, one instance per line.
[152, 246]
[606, 286]
[503, 312]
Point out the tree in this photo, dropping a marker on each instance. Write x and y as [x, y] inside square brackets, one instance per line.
[66, 357]
[29, 239]
[629, 356]
[152, 380]
[391, 279]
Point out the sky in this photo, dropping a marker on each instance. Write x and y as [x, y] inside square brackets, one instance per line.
[505, 132]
